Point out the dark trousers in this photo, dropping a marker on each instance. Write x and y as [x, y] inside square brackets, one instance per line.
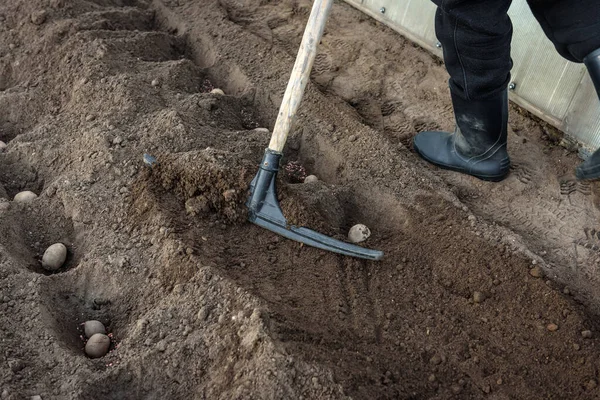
[476, 34]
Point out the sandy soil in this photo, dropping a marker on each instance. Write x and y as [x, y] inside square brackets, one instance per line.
[202, 304]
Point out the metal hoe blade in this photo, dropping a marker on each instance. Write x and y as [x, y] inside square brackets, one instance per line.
[264, 211]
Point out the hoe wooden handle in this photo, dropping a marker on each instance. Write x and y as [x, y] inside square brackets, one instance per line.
[300, 73]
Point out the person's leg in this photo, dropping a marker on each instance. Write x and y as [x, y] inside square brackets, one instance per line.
[590, 168]
[573, 26]
[475, 37]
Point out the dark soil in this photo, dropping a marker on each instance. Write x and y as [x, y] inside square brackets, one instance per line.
[202, 304]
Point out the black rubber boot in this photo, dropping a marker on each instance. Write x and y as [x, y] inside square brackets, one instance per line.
[590, 168]
[478, 145]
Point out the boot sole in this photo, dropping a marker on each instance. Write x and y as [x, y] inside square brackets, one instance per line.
[488, 178]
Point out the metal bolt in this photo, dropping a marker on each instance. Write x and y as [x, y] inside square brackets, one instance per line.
[438, 45]
[512, 86]
[382, 10]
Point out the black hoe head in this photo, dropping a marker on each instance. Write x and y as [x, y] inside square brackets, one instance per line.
[264, 211]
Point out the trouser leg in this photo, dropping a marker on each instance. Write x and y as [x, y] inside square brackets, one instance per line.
[573, 26]
[475, 37]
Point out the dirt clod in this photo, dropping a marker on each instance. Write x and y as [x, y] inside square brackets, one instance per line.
[479, 297]
[536, 272]
[586, 334]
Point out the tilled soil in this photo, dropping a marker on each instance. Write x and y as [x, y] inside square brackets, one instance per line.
[202, 304]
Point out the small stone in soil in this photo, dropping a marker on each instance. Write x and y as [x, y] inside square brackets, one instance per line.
[203, 314]
[310, 179]
[261, 130]
[586, 334]
[39, 17]
[161, 346]
[54, 257]
[149, 160]
[25, 196]
[536, 272]
[552, 327]
[36, 397]
[155, 82]
[97, 346]
[359, 233]
[456, 389]
[478, 297]
[92, 327]
[436, 360]
[229, 194]
[218, 91]
[2, 145]
[591, 384]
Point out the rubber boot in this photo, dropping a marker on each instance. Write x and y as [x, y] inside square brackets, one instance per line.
[478, 145]
[590, 168]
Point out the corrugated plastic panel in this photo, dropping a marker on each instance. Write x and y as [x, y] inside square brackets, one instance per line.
[411, 18]
[552, 88]
[542, 76]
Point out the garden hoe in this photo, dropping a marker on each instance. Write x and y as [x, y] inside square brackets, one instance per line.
[264, 209]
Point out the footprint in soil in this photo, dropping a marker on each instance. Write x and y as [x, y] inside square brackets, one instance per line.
[523, 172]
[591, 240]
[570, 184]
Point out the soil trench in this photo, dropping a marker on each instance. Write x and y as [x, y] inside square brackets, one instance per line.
[486, 290]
